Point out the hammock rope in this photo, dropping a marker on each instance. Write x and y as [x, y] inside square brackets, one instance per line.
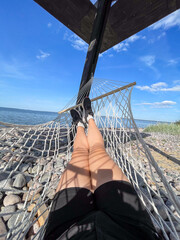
[33, 159]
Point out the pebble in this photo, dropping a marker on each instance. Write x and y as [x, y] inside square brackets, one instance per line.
[15, 219]
[170, 205]
[25, 196]
[30, 170]
[7, 184]
[1, 197]
[11, 200]
[36, 169]
[36, 188]
[177, 186]
[174, 238]
[3, 176]
[3, 229]
[51, 193]
[8, 209]
[20, 205]
[24, 167]
[44, 178]
[160, 208]
[20, 181]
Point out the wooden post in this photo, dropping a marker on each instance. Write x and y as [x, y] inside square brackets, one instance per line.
[100, 21]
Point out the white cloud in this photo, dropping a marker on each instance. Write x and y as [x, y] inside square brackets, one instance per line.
[49, 25]
[133, 38]
[176, 81]
[171, 20]
[123, 46]
[149, 60]
[42, 55]
[163, 104]
[163, 34]
[76, 42]
[159, 87]
[172, 62]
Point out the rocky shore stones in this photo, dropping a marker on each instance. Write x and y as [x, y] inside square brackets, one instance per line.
[20, 181]
[45, 178]
[161, 209]
[8, 209]
[177, 186]
[36, 169]
[11, 200]
[24, 167]
[1, 197]
[15, 219]
[3, 229]
[7, 184]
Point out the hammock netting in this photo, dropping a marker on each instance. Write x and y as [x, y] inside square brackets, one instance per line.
[33, 159]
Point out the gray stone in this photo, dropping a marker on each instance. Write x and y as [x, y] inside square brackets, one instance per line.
[6, 184]
[176, 225]
[36, 169]
[1, 197]
[3, 176]
[14, 220]
[24, 167]
[160, 208]
[173, 237]
[44, 178]
[8, 209]
[20, 205]
[170, 205]
[51, 193]
[3, 229]
[30, 170]
[20, 181]
[11, 200]
[36, 188]
[177, 186]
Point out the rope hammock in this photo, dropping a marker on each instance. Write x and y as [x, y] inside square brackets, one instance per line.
[34, 157]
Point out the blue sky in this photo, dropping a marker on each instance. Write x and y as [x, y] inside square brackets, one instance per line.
[41, 63]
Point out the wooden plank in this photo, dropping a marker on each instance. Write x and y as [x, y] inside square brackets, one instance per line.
[77, 15]
[127, 17]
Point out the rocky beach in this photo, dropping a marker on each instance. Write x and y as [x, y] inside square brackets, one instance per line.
[31, 166]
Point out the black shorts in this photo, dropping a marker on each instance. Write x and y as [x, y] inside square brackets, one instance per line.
[117, 200]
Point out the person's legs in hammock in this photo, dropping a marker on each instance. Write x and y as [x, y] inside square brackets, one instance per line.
[103, 169]
[77, 172]
[73, 198]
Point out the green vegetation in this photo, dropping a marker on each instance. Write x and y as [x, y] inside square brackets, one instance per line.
[173, 128]
[177, 122]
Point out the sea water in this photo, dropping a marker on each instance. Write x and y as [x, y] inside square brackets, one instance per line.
[31, 117]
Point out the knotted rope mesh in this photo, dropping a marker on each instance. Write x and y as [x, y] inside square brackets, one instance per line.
[33, 159]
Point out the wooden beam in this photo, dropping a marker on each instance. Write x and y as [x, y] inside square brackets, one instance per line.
[99, 26]
[126, 17]
[77, 15]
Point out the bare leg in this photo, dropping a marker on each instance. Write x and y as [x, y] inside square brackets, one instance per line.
[77, 172]
[103, 169]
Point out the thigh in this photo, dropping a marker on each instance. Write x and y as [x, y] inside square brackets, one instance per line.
[69, 205]
[103, 169]
[77, 172]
